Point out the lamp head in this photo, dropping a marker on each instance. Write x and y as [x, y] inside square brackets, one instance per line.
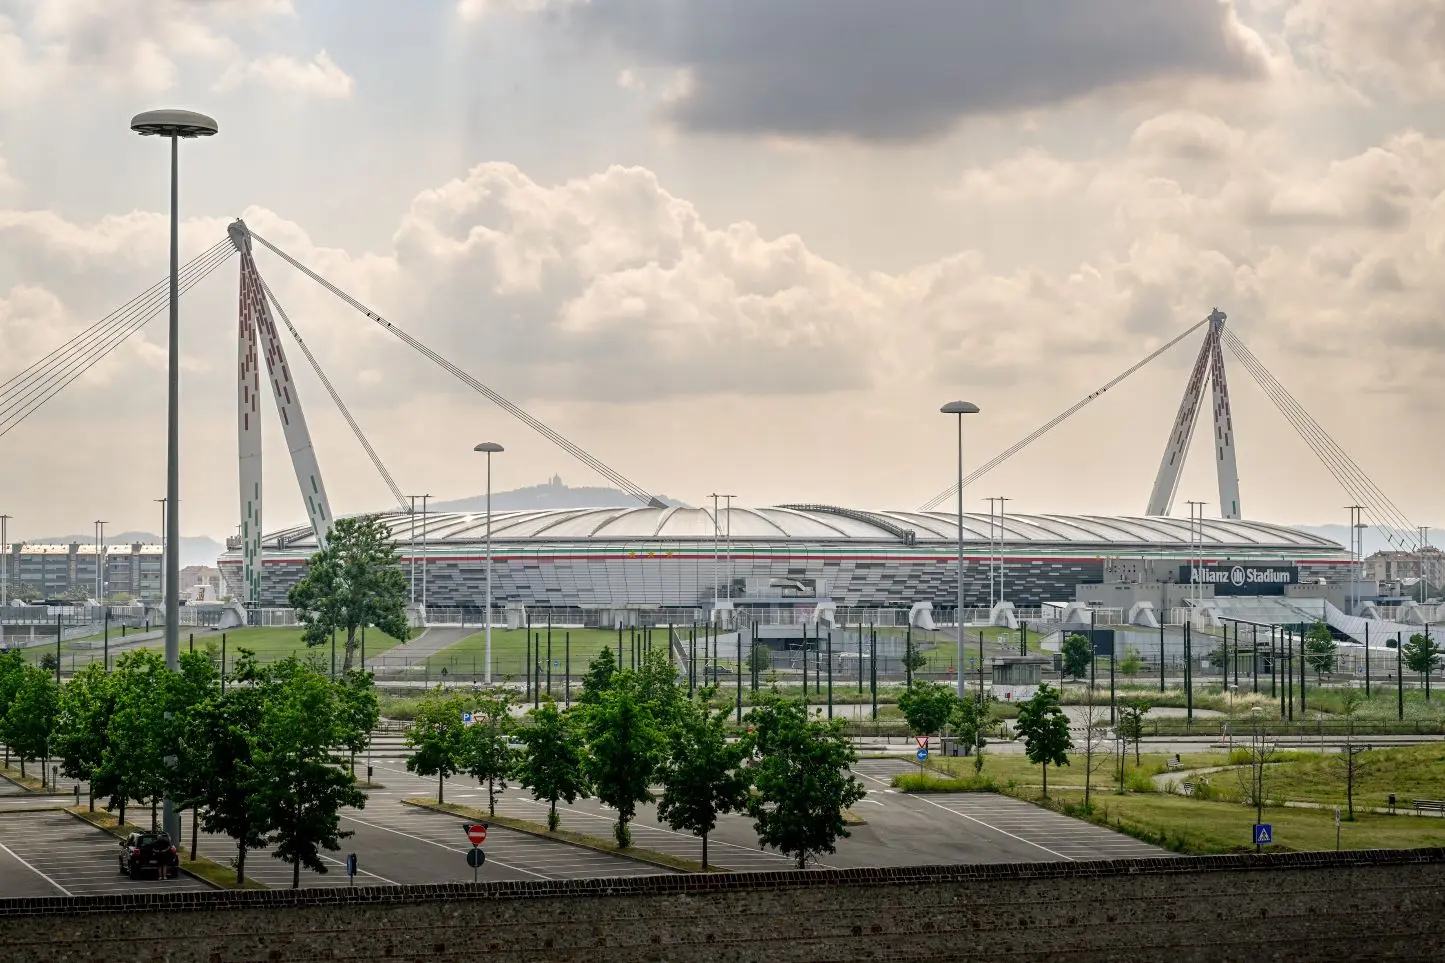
[490, 447]
[173, 123]
[959, 408]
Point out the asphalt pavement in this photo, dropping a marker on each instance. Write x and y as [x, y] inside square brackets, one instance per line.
[55, 854]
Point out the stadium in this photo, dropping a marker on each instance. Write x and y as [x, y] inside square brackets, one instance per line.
[608, 559]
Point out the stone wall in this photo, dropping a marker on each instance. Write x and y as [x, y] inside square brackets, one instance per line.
[1305, 907]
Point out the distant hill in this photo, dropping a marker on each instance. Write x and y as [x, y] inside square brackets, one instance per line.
[196, 550]
[551, 494]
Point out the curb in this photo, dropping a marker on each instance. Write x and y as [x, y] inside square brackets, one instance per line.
[517, 826]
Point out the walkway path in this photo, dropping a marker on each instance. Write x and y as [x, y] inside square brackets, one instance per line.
[416, 651]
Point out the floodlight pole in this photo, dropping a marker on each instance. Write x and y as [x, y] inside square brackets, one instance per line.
[174, 124]
[960, 408]
[489, 448]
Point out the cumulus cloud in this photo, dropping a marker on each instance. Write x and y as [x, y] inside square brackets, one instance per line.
[320, 77]
[891, 72]
[1395, 46]
[143, 45]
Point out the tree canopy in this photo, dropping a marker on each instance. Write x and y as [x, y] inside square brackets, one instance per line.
[355, 581]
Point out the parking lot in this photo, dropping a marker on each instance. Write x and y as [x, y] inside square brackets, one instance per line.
[55, 854]
[998, 828]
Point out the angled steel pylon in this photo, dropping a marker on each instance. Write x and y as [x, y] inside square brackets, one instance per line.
[258, 337]
[1208, 365]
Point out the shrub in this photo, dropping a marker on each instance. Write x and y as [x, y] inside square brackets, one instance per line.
[1137, 780]
[922, 782]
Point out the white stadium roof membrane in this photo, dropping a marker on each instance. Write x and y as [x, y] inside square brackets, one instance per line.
[826, 523]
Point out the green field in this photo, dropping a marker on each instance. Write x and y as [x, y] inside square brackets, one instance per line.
[509, 650]
[1201, 827]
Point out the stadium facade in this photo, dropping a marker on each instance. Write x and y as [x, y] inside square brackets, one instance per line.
[678, 558]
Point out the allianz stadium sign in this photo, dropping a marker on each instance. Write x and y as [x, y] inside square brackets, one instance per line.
[1241, 579]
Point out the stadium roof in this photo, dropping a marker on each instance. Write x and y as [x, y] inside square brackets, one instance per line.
[827, 523]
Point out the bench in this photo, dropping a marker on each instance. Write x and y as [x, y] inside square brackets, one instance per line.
[1175, 764]
[1187, 788]
[1430, 805]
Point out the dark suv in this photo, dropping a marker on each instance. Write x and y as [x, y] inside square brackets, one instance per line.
[145, 851]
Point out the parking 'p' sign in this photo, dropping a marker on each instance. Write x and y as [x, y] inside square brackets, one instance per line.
[477, 833]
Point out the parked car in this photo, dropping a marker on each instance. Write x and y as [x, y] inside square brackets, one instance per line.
[140, 852]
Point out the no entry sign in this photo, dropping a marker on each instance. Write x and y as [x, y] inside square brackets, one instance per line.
[477, 833]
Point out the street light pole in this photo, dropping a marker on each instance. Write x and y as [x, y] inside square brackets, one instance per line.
[425, 545]
[174, 124]
[960, 408]
[100, 561]
[4, 563]
[489, 448]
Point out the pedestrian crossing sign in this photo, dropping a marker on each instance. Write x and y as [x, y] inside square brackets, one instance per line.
[1263, 834]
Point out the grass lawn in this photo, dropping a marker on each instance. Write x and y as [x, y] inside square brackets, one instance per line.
[271, 644]
[1410, 772]
[1200, 827]
[509, 650]
[1015, 767]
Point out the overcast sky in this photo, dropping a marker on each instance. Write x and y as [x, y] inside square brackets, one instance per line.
[746, 247]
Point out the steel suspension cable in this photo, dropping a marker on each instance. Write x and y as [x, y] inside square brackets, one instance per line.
[1050, 425]
[105, 325]
[1349, 474]
[335, 396]
[1345, 470]
[636, 491]
[80, 357]
[21, 409]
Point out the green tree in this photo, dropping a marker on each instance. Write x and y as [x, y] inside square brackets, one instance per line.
[1131, 722]
[29, 720]
[355, 581]
[83, 723]
[1077, 655]
[802, 779]
[702, 773]
[1321, 650]
[969, 722]
[133, 765]
[1422, 654]
[220, 748]
[623, 748]
[1131, 663]
[928, 706]
[438, 736]
[12, 672]
[598, 678]
[49, 661]
[302, 784]
[552, 767]
[188, 691]
[487, 752]
[1045, 731]
[360, 712]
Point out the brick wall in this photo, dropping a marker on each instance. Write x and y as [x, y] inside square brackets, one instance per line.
[1305, 907]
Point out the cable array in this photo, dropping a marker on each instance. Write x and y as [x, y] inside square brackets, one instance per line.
[1049, 426]
[335, 396]
[555, 437]
[1398, 529]
[25, 392]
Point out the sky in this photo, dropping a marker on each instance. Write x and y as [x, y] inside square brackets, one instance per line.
[746, 247]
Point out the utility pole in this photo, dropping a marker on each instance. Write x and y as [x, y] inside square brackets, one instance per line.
[715, 560]
[1356, 554]
[4, 563]
[411, 545]
[1002, 508]
[424, 545]
[162, 502]
[1196, 549]
[99, 561]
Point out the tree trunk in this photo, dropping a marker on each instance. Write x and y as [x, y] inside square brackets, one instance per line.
[240, 864]
[153, 814]
[440, 779]
[1088, 776]
[552, 817]
[803, 859]
[491, 797]
[704, 852]
[122, 810]
[195, 832]
[350, 646]
[1046, 780]
[90, 794]
[296, 873]
[22, 758]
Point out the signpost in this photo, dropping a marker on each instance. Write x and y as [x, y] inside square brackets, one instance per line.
[476, 834]
[922, 754]
[350, 869]
[466, 718]
[1263, 835]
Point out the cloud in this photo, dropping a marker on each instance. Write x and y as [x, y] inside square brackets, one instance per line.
[320, 77]
[478, 9]
[1391, 46]
[891, 72]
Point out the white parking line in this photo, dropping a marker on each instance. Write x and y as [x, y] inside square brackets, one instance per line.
[432, 842]
[985, 825]
[37, 872]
